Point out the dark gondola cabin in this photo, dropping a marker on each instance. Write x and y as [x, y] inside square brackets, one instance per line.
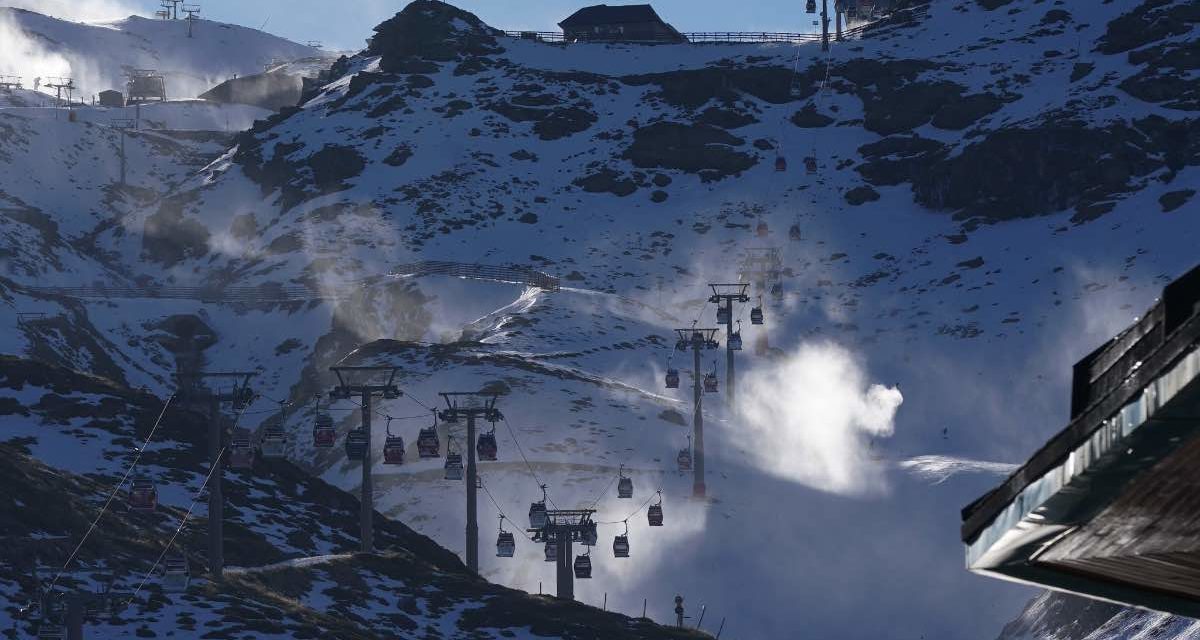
[324, 435]
[454, 466]
[551, 550]
[672, 378]
[428, 443]
[274, 442]
[241, 450]
[621, 546]
[711, 385]
[537, 514]
[756, 315]
[506, 545]
[393, 450]
[143, 496]
[486, 447]
[583, 567]
[356, 444]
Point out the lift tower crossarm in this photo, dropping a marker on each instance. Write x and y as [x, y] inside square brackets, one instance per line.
[697, 340]
[239, 394]
[347, 386]
[564, 527]
[478, 405]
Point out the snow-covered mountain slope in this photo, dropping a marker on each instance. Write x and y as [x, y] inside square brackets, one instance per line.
[97, 56]
[998, 189]
[69, 439]
[1053, 616]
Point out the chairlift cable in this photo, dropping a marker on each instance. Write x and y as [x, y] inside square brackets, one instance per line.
[520, 450]
[113, 494]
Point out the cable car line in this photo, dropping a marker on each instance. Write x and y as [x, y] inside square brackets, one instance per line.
[112, 495]
[498, 509]
[625, 521]
[188, 514]
[522, 452]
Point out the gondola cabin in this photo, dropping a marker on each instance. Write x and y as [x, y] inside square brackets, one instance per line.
[356, 444]
[654, 515]
[723, 315]
[176, 574]
[780, 163]
[735, 341]
[756, 315]
[274, 443]
[486, 447]
[794, 233]
[537, 515]
[710, 383]
[506, 545]
[762, 229]
[454, 466]
[324, 435]
[684, 459]
[589, 536]
[393, 450]
[428, 444]
[672, 378]
[625, 488]
[551, 550]
[241, 450]
[583, 567]
[143, 496]
[810, 165]
[621, 546]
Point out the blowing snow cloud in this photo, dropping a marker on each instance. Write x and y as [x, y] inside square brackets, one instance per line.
[812, 416]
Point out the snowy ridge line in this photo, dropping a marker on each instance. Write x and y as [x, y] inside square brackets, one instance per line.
[293, 563]
[268, 293]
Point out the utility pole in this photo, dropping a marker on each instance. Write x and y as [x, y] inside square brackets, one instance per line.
[564, 527]
[475, 405]
[123, 125]
[824, 25]
[240, 394]
[697, 340]
[837, 18]
[679, 611]
[366, 382]
[724, 295]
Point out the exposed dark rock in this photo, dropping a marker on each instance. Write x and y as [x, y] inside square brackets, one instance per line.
[564, 121]
[897, 159]
[431, 30]
[690, 148]
[1165, 78]
[419, 81]
[725, 118]
[1151, 21]
[860, 195]
[661, 180]
[993, 4]
[1172, 200]
[658, 195]
[606, 181]
[1081, 70]
[693, 88]
[169, 237]
[398, 156]
[962, 113]
[528, 218]
[810, 118]
[334, 164]
[1055, 16]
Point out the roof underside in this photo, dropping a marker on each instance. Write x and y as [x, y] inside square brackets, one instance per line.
[606, 14]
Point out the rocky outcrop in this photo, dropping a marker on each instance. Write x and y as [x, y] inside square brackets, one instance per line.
[697, 148]
[431, 31]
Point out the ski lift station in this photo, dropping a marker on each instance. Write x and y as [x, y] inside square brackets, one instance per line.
[1105, 509]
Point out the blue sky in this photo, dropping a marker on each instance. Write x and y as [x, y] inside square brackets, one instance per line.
[345, 24]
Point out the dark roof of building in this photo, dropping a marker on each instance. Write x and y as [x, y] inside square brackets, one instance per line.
[604, 14]
[110, 91]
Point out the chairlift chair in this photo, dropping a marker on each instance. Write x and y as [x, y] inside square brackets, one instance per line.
[143, 496]
[583, 567]
[356, 444]
[672, 378]
[551, 549]
[176, 573]
[241, 450]
[624, 484]
[454, 466]
[274, 442]
[486, 447]
[324, 435]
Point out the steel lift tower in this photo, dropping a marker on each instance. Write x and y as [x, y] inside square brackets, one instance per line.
[724, 295]
[366, 382]
[471, 405]
[232, 387]
[565, 526]
[697, 340]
